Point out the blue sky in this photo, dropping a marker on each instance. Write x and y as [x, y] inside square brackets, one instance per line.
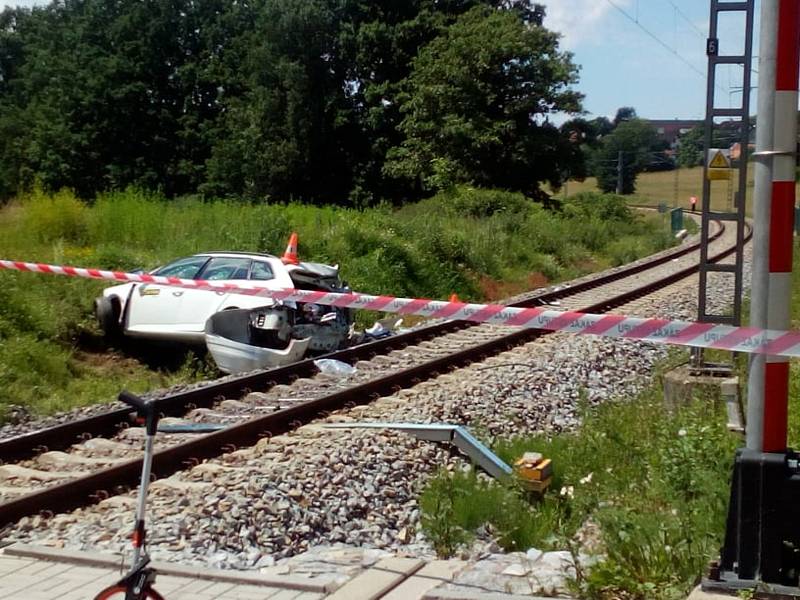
[621, 65]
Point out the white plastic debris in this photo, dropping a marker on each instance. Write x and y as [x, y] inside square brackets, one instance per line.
[330, 366]
[377, 330]
[384, 327]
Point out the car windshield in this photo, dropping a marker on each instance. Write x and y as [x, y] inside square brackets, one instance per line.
[261, 271]
[221, 267]
[185, 268]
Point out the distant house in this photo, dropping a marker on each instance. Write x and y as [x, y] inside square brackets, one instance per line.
[670, 129]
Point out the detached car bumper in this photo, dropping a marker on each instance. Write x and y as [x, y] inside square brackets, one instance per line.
[235, 357]
[248, 339]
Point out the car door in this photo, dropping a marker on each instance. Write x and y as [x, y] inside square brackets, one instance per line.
[153, 309]
[197, 306]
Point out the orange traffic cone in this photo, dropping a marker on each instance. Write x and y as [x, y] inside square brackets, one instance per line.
[454, 298]
[290, 256]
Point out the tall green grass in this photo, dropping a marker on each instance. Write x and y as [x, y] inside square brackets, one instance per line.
[480, 244]
[441, 245]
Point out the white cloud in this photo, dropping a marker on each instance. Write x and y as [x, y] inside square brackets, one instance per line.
[23, 3]
[578, 20]
[20, 3]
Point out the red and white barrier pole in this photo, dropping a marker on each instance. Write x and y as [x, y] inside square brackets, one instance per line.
[776, 380]
[768, 385]
[762, 194]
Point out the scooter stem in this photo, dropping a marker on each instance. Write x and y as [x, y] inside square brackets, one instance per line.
[141, 502]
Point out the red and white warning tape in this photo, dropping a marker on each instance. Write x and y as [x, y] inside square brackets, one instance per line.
[683, 333]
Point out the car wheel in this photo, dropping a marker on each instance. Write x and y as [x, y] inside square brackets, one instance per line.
[107, 311]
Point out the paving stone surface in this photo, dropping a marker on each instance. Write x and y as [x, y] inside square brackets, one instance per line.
[31, 573]
[699, 594]
[32, 579]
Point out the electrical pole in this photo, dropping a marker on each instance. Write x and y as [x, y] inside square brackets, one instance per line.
[677, 186]
[620, 164]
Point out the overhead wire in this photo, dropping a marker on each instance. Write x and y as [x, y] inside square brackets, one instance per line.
[687, 19]
[703, 35]
[660, 42]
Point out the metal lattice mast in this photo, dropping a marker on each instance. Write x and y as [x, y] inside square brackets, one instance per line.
[740, 116]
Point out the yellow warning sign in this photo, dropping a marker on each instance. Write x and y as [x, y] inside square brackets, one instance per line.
[718, 174]
[718, 160]
[719, 165]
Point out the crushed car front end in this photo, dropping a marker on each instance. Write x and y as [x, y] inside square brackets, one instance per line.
[274, 335]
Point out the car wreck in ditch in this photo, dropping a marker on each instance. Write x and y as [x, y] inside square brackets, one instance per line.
[242, 332]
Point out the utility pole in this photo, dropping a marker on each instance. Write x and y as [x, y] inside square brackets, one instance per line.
[677, 184]
[739, 121]
[620, 164]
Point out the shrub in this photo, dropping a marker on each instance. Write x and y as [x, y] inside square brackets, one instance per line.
[468, 241]
[606, 207]
[480, 203]
[624, 250]
[118, 257]
[60, 216]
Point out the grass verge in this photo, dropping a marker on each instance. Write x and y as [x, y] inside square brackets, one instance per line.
[654, 483]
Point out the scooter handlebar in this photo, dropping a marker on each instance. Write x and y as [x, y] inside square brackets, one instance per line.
[133, 400]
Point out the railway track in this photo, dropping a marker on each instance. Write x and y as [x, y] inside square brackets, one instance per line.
[97, 467]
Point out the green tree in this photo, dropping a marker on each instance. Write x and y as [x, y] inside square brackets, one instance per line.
[302, 99]
[691, 143]
[12, 125]
[624, 113]
[633, 140]
[690, 147]
[112, 93]
[377, 43]
[282, 136]
[601, 127]
[475, 107]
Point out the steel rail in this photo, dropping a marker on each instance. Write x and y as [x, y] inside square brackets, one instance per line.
[62, 436]
[97, 486]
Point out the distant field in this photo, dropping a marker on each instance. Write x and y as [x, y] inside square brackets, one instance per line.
[655, 188]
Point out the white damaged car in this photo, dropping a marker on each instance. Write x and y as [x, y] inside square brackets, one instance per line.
[246, 331]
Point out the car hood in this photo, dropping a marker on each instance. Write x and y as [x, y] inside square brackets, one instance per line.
[314, 269]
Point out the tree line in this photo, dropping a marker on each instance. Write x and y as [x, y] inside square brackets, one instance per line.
[327, 101]
[345, 101]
